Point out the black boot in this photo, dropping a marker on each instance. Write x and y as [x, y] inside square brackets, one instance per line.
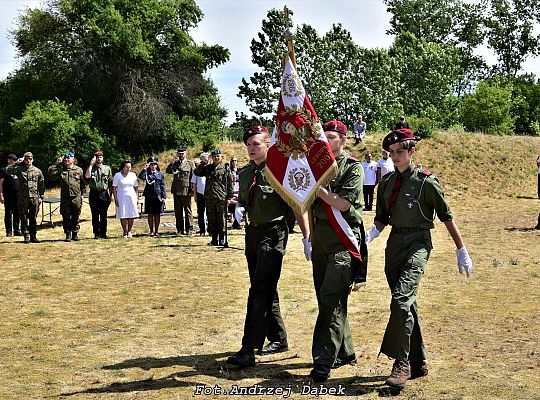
[26, 238]
[75, 236]
[244, 358]
[68, 237]
[221, 239]
[214, 241]
[33, 238]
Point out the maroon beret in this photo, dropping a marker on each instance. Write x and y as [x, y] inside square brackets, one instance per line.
[336, 126]
[254, 130]
[396, 136]
[98, 153]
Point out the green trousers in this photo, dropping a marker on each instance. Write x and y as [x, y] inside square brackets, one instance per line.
[215, 213]
[406, 256]
[28, 210]
[332, 278]
[70, 209]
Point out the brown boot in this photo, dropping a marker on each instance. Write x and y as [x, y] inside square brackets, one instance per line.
[418, 369]
[401, 371]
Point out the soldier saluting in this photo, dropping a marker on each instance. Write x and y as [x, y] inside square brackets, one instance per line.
[31, 192]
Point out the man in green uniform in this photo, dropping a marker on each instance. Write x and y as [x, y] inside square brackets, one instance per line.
[339, 260]
[99, 177]
[31, 192]
[408, 199]
[219, 188]
[182, 190]
[266, 239]
[72, 186]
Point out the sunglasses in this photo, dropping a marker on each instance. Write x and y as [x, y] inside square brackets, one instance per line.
[28, 158]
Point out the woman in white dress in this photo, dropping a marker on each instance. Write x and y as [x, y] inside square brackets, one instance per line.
[125, 189]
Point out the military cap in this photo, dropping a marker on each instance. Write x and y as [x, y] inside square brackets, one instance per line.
[181, 149]
[12, 157]
[69, 154]
[396, 136]
[336, 126]
[215, 152]
[98, 153]
[152, 160]
[254, 130]
[28, 154]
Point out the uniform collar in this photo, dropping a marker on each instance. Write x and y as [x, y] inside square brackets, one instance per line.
[408, 172]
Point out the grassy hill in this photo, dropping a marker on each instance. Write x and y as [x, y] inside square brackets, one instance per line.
[148, 318]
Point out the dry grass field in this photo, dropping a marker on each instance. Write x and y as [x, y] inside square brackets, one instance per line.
[147, 318]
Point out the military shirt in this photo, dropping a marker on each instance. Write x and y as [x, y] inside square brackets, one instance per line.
[219, 181]
[71, 179]
[182, 174]
[101, 177]
[419, 198]
[267, 205]
[348, 184]
[31, 180]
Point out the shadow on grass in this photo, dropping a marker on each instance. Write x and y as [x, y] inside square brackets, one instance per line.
[272, 374]
[522, 229]
[527, 197]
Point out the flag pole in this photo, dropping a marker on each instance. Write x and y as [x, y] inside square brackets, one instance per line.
[289, 38]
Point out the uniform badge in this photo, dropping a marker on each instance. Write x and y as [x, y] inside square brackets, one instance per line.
[299, 179]
[264, 197]
[410, 203]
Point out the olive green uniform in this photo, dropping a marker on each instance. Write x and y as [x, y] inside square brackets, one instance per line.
[72, 186]
[100, 183]
[31, 191]
[182, 192]
[266, 239]
[407, 250]
[332, 265]
[219, 188]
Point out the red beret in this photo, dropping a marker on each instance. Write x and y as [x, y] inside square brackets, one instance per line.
[98, 153]
[396, 136]
[336, 126]
[254, 130]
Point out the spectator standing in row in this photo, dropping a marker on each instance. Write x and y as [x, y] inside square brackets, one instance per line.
[402, 124]
[72, 187]
[359, 130]
[182, 191]
[99, 177]
[384, 166]
[219, 189]
[154, 193]
[9, 197]
[199, 184]
[31, 192]
[370, 180]
[126, 197]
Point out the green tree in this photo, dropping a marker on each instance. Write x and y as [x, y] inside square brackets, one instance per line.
[50, 128]
[132, 63]
[526, 105]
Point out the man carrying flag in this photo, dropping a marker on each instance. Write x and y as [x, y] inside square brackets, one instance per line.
[339, 256]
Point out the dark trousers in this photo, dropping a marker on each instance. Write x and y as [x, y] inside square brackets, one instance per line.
[368, 197]
[99, 204]
[28, 209]
[182, 213]
[264, 254]
[200, 212]
[11, 217]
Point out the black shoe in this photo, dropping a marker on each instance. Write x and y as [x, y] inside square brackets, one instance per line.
[236, 225]
[104, 237]
[221, 241]
[26, 238]
[214, 241]
[75, 236]
[9, 234]
[418, 369]
[18, 232]
[243, 359]
[342, 360]
[34, 239]
[273, 347]
[320, 373]
[68, 237]
[97, 237]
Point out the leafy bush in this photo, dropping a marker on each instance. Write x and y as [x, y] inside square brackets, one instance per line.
[188, 132]
[422, 126]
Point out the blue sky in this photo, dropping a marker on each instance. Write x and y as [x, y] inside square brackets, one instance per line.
[234, 23]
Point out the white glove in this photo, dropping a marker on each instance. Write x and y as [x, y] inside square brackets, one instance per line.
[372, 234]
[307, 248]
[464, 262]
[239, 212]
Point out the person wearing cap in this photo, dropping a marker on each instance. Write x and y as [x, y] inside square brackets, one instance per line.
[359, 130]
[370, 180]
[182, 191]
[335, 271]
[99, 177]
[72, 187]
[9, 197]
[199, 185]
[265, 243]
[408, 200]
[402, 124]
[154, 193]
[31, 192]
[219, 189]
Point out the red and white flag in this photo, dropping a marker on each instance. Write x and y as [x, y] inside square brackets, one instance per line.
[299, 159]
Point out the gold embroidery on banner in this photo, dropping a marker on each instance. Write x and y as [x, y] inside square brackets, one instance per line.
[301, 140]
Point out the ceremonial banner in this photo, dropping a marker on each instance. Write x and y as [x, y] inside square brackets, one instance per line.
[299, 159]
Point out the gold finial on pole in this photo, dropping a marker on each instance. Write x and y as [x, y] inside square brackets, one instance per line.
[289, 35]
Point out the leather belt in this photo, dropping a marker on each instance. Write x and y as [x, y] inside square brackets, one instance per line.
[267, 225]
[408, 230]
